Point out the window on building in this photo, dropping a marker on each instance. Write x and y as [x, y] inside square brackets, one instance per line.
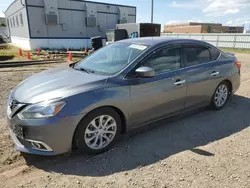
[13, 19]
[196, 55]
[164, 60]
[17, 22]
[21, 18]
[10, 22]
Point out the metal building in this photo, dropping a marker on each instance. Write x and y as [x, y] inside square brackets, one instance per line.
[57, 24]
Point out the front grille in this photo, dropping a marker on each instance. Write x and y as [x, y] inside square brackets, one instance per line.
[13, 104]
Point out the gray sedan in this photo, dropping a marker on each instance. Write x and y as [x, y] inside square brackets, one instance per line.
[87, 105]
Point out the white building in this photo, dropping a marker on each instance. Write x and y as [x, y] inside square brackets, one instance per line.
[57, 24]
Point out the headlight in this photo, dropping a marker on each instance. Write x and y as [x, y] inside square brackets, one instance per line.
[41, 110]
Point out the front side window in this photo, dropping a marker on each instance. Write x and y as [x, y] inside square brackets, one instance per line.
[164, 60]
[112, 58]
[196, 55]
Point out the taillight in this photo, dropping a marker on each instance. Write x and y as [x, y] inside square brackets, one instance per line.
[238, 64]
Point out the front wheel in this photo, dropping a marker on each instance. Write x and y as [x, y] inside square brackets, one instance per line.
[220, 96]
[98, 131]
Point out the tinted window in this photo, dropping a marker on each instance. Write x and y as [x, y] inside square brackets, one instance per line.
[164, 60]
[196, 55]
[214, 53]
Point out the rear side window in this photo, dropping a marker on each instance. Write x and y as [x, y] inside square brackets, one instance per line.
[196, 55]
[214, 53]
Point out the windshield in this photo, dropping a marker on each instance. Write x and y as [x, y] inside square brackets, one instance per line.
[111, 59]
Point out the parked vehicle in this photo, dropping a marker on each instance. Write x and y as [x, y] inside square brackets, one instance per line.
[89, 104]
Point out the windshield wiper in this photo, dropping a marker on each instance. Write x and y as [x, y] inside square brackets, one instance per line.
[85, 70]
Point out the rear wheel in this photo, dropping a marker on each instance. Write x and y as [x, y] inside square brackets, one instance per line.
[220, 96]
[98, 131]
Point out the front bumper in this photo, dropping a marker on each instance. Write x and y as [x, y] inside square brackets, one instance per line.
[55, 133]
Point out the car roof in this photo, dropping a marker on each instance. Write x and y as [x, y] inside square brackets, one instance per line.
[151, 41]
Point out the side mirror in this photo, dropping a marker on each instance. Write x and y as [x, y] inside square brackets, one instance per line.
[145, 72]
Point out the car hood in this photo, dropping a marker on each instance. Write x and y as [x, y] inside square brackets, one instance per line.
[55, 83]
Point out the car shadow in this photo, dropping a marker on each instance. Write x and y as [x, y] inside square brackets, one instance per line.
[155, 142]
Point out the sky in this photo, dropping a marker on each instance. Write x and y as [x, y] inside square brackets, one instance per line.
[227, 12]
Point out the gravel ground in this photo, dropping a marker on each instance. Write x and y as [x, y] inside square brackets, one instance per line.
[204, 149]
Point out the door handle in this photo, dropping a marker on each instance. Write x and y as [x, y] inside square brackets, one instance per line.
[215, 73]
[179, 82]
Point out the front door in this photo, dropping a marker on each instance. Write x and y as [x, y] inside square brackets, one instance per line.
[202, 74]
[165, 93]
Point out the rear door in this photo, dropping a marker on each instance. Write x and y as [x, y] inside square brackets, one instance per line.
[202, 73]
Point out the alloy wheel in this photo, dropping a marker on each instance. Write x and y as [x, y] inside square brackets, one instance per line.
[221, 95]
[100, 132]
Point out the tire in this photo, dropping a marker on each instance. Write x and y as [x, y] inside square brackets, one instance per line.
[90, 136]
[220, 96]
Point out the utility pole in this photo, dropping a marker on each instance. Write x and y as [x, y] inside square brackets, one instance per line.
[152, 11]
